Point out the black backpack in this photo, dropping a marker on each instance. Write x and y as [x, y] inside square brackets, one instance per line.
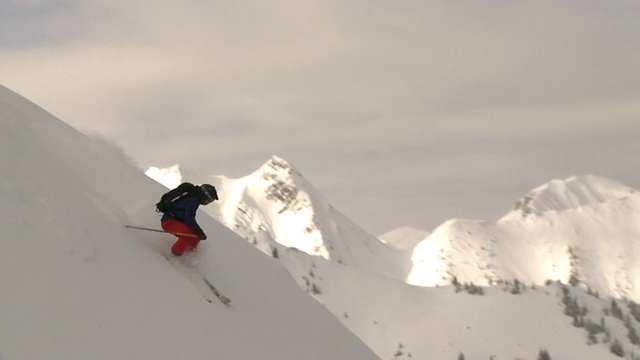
[185, 189]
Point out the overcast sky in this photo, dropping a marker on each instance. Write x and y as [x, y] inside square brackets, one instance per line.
[399, 112]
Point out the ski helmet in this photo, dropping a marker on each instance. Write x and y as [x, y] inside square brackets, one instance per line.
[209, 192]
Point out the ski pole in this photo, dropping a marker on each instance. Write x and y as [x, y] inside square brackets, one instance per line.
[161, 231]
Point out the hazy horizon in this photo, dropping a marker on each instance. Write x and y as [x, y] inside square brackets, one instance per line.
[401, 114]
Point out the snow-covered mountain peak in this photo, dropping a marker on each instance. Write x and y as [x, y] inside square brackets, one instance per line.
[76, 284]
[170, 177]
[270, 206]
[69, 261]
[581, 231]
[277, 165]
[277, 207]
[283, 185]
[570, 193]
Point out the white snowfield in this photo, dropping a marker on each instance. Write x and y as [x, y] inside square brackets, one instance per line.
[75, 284]
[580, 231]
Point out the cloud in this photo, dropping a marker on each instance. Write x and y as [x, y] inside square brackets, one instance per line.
[34, 22]
[287, 61]
[344, 90]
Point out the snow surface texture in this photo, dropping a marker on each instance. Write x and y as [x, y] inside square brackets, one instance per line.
[579, 231]
[582, 231]
[77, 285]
[512, 320]
[276, 205]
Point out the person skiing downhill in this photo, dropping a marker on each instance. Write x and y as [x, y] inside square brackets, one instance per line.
[180, 218]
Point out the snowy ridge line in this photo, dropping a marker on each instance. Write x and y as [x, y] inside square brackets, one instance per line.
[91, 289]
[554, 233]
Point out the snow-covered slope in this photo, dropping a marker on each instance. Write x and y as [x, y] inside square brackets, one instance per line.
[277, 205]
[511, 321]
[582, 230]
[571, 193]
[404, 238]
[542, 239]
[75, 284]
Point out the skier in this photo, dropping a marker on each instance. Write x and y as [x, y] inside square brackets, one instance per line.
[181, 217]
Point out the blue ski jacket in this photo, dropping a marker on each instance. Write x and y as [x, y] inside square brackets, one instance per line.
[184, 210]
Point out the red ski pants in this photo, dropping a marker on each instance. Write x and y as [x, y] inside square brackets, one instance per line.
[184, 243]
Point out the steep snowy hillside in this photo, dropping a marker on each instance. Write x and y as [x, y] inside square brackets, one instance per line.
[582, 231]
[77, 285]
[276, 205]
[511, 321]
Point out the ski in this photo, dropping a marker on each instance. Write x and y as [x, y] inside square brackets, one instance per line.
[204, 286]
[225, 300]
